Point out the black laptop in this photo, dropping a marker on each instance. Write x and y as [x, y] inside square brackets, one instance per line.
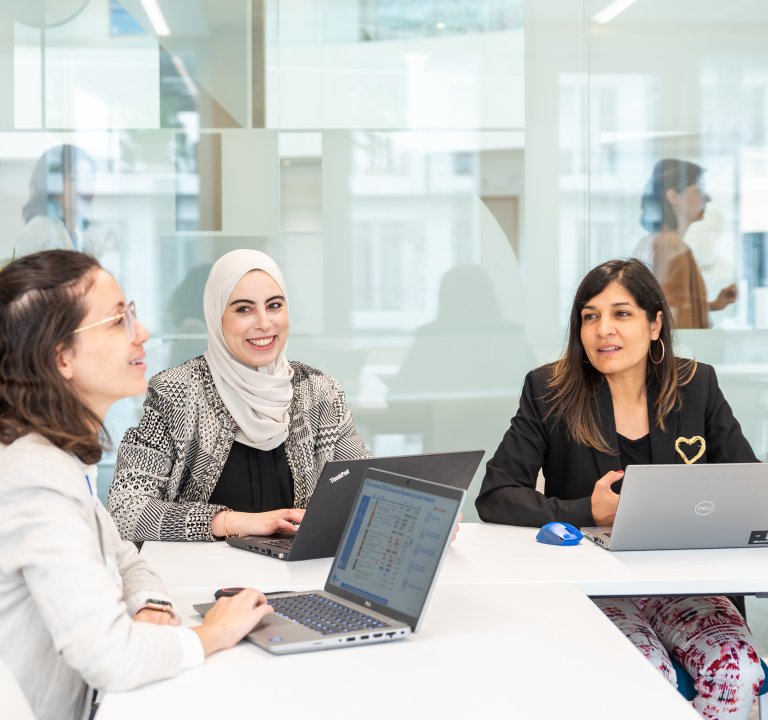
[320, 531]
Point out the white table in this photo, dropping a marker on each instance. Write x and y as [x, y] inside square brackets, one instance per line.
[213, 565]
[510, 629]
[489, 554]
[507, 554]
[522, 652]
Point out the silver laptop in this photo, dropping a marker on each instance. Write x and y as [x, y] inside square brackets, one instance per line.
[682, 507]
[382, 576]
[328, 509]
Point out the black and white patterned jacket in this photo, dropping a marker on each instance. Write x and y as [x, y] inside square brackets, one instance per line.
[168, 466]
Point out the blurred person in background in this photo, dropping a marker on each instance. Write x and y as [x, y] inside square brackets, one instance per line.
[58, 211]
[674, 199]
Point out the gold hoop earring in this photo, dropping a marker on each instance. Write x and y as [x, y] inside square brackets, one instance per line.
[663, 350]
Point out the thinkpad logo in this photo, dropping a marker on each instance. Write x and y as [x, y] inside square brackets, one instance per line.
[342, 474]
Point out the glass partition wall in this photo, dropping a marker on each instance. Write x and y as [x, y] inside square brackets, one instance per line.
[434, 179]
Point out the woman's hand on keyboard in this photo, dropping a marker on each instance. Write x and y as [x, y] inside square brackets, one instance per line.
[231, 619]
[228, 522]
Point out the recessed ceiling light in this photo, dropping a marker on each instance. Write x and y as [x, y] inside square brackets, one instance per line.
[155, 15]
[609, 12]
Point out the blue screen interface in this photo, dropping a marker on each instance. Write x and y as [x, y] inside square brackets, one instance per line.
[393, 545]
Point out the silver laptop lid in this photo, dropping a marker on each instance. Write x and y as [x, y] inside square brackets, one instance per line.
[677, 507]
[394, 543]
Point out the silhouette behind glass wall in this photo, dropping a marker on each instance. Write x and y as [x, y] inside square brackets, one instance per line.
[58, 211]
[464, 369]
[673, 200]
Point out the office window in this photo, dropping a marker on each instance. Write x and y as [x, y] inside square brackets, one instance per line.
[434, 178]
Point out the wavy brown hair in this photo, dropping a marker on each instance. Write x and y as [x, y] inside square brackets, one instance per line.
[41, 305]
[575, 383]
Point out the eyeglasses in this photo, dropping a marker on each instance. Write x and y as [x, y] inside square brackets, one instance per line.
[128, 316]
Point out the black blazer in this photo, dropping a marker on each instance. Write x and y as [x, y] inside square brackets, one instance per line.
[508, 493]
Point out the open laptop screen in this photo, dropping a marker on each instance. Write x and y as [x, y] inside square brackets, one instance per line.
[394, 543]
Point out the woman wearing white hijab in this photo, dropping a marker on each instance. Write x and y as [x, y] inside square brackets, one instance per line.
[232, 442]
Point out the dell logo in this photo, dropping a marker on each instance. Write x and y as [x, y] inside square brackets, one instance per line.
[705, 507]
[342, 474]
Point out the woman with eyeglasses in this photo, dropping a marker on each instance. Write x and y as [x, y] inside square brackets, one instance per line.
[232, 442]
[78, 608]
[619, 396]
[673, 200]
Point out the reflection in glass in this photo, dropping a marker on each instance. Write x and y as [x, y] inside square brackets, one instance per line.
[58, 211]
[469, 350]
[397, 19]
[674, 198]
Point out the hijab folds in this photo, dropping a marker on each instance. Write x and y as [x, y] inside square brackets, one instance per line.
[257, 398]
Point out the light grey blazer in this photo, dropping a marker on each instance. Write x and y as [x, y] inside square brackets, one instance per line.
[69, 587]
[169, 465]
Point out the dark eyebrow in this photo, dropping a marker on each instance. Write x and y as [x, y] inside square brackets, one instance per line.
[245, 301]
[592, 307]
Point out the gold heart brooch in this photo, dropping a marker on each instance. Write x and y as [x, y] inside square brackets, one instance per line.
[691, 441]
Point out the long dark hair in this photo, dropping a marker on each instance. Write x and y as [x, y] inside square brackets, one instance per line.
[41, 304]
[575, 382]
[656, 212]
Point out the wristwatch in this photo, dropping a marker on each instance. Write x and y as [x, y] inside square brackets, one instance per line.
[157, 604]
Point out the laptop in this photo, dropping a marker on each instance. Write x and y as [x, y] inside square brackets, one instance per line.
[382, 576]
[682, 507]
[328, 509]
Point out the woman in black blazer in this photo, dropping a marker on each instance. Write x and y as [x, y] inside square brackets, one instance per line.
[618, 396]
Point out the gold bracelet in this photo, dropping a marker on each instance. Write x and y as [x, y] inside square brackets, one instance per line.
[226, 532]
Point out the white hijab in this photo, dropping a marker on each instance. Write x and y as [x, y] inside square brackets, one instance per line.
[257, 398]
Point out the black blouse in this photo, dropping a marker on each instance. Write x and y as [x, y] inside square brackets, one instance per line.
[634, 452]
[254, 480]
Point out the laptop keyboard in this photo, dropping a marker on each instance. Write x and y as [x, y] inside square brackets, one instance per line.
[284, 543]
[323, 614]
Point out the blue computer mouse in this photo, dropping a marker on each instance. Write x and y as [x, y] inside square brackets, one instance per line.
[559, 533]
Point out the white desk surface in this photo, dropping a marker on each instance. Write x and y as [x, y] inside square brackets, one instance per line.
[193, 565]
[506, 554]
[488, 554]
[524, 652]
[510, 629]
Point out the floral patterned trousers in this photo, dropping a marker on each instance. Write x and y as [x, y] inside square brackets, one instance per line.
[706, 635]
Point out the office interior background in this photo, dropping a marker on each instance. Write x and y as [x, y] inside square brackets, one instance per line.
[434, 178]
